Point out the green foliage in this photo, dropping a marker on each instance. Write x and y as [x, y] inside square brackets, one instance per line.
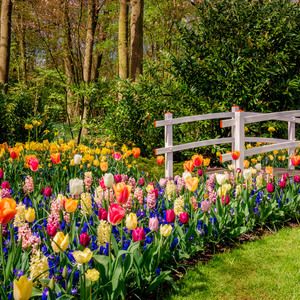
[242, 52]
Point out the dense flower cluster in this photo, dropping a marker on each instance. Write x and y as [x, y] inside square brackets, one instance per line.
[70, 228]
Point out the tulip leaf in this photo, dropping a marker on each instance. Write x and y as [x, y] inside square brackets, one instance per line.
[36, 292]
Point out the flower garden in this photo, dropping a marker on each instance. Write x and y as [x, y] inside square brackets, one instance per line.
[81, 222]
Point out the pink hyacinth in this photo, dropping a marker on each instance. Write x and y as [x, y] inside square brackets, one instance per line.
[28, 186]
[210, 185]
[5, 193]
[132, 182]
[54, 216]
[28, 239]
[179, 184]
[162, 182]
[128, 204]
[151, 200]
[205, 205]
[138, 194]
[124, 177]
[88, 180]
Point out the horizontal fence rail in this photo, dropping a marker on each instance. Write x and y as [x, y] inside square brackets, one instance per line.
[236, 119]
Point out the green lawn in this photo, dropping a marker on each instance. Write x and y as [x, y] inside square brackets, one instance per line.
[265, 269]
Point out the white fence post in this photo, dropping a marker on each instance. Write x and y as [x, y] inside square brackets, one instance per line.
[292, 138]
[169, 143]
[239, 138]
[234, 109]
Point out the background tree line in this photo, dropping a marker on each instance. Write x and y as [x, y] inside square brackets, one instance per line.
[94, 68]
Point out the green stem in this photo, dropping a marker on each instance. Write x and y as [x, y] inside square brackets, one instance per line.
[2, 254]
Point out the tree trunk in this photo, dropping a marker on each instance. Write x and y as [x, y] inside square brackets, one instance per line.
[136, 49]
[123, 40]
[22, 47]
[5, 35]
[88, 59]
[71, 102]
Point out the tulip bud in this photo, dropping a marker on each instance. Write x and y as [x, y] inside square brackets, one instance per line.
[270, 187]
[51, 284]
[282, 184]
[108, 180]
[30, 215]
[297, 179]
[225, 200]
[184, 217]
[102, 214]
[141, 181]
[170, 215]
[1, 173]
[153, 224]
[65, 272]
[84, 239]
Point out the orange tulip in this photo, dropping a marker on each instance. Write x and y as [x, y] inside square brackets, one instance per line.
[235, 155]
[7, 210]
[104, 166]
[122, 192]
[197, 160]
[160, 160]
[295, 159]
[70, 205]
[188, 166]
[136, 152]
[55, 158]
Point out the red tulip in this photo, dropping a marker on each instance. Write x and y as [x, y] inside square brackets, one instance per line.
[170, 215]
[184, 217]
[116, 213]
[282, 184]
[285, 176]
[102, 214]
[295, 159]
[51, 230]
[235, 155]
[84, 239]
[5, 185]
[118, 178]
[138, 234]
[197, 160]
[13, 154]
[117, 156]
[200, 172]
[141, 181]
[47, 191]
[122, 192]
[225, 200]
[1, 173]
[55, 158]
[297, 179]
[33, 164]
[270, 187]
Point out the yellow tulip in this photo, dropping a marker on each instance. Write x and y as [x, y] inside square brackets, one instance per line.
[131, 221]
[206, 162]
[83, 257]
[165, 230]
[92, 274]
[60, 242]
[22, 288]
[70, 205]
[246, 163]
[192, 183]
[30, 215]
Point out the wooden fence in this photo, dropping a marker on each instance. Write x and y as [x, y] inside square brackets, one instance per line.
[236, 119]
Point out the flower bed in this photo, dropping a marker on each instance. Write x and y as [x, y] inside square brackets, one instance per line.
[82, 223]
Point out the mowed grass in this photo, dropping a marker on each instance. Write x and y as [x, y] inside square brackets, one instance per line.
[265, 269]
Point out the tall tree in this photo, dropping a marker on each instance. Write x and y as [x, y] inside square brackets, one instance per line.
[123, 40]
[5, 35]
[93, 10]
[136, 38]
